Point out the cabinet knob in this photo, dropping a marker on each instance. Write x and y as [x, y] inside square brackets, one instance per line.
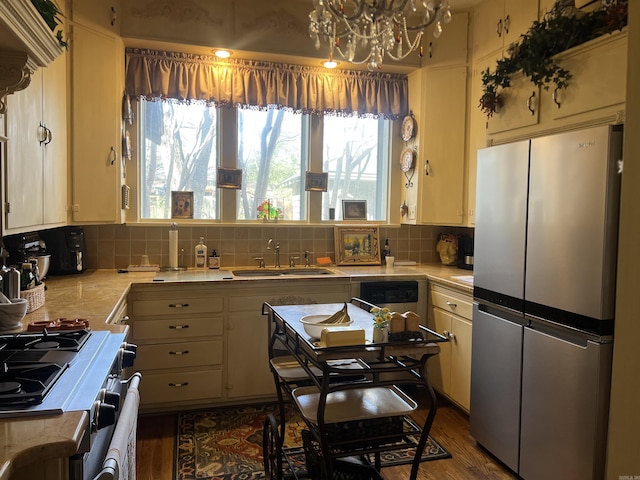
[452, 305]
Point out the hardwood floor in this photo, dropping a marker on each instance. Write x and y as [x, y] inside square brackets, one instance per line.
[156, 450]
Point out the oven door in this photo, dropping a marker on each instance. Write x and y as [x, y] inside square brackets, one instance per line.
[113, 449]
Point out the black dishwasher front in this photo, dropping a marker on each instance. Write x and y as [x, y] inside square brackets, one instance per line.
[399, 296]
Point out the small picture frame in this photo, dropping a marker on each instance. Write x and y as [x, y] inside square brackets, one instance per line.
[357, 245]
[229, 178]
[181, 204]
[354, 209]
[316, 182]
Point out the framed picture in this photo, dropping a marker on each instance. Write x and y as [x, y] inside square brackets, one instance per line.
[354, 209]
[316, 182]
[181, 204]
[229, 178]
[357, 245]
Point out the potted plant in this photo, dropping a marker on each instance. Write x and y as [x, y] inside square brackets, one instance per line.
[561, 28]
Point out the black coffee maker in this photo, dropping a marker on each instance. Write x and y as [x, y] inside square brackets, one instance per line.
[465, 252]
[68, 249]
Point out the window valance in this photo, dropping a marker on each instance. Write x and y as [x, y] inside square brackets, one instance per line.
[188, 77]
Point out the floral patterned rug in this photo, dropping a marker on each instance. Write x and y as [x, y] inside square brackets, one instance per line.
[225, 443]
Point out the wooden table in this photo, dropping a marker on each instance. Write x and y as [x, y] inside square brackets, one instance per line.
[351, 389]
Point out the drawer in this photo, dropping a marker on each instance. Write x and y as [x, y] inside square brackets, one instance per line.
[177, 306]
[452, 301]
[180, 387]
[179, 355]
[174, 329]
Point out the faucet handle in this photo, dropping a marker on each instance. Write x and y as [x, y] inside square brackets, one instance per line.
[292, 261]
[261, 260]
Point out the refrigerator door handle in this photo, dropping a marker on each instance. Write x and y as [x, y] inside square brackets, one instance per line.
[499, 311]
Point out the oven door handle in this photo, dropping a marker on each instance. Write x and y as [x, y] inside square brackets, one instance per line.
[124, 435]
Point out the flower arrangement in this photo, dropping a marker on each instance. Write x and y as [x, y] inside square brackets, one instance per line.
[561, 28]
[381, 317]
[267, 211]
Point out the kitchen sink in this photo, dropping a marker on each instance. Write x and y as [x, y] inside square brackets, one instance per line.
[278, 272]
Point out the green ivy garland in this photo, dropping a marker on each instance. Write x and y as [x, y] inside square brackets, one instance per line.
[50, 12]
[561, 28]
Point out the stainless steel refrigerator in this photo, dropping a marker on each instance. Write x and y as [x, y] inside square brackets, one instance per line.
[544, 289]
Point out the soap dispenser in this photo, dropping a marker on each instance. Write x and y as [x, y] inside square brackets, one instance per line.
[201, 254]
[214, 260]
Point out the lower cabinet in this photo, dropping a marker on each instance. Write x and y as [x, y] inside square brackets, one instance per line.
[208, 343]
[450, 370]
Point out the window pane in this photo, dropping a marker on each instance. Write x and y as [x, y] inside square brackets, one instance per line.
[355, 154]
[270, 154]
[180, 145]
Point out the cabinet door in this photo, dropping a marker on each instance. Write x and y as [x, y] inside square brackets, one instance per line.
[460, 387]
[439, 367]
[103, 13]
[98, 62]
[488, 27]
[248, 373]
[451, 47]
[23, 163]
[55, 157]
[441, 169]
[599, 78]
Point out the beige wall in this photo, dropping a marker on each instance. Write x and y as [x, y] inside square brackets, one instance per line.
[118, 246]
[624, 425]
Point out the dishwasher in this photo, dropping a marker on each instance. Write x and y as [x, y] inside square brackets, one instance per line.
[397, 295]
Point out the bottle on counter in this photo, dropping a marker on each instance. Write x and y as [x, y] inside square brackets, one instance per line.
[27, 277]
[386, 251]
[201, 254]
[214, 260]
[12, 282]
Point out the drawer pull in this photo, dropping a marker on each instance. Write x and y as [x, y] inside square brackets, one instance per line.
[178, 385]
[178, 305]
[452, 305]
[178, 327]
[184, 352]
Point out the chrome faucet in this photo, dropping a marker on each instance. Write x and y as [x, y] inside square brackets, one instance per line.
[306, 258]
[270, 245]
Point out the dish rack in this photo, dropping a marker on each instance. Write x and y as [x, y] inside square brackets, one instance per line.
[347, 397]
[34, 297]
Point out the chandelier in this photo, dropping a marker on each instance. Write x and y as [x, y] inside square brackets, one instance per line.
[365, 31]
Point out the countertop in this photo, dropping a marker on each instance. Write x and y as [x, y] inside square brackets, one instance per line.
[96, 295]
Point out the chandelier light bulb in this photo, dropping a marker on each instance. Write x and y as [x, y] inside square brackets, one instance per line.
[373, 30]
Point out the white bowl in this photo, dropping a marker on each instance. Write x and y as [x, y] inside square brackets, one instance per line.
[12, 313]
[313, 324]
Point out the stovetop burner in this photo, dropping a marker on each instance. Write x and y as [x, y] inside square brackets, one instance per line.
[24, 384]
[63, 340]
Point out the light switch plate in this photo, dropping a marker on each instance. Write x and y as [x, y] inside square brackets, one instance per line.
[412, 212]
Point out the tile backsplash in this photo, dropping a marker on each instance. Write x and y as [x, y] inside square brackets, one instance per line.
[118, 246]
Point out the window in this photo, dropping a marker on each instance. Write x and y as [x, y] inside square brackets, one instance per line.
[180, 145]
[272, 156]
[355, 154]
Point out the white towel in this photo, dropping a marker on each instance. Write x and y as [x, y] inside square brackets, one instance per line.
[120, 462]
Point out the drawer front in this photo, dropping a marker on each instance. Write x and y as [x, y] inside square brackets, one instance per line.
[180, 387]
[177, 306]
[176, 328]
[179, 355]
[451, 302]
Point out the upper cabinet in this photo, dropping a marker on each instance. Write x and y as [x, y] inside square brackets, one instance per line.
[35, 167]
[97, 76]
[26, 43]
[434, 189]
[103, 14]
[499, 23]
[451, 47]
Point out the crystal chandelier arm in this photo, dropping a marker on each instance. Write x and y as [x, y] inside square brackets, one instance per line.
[341, 16]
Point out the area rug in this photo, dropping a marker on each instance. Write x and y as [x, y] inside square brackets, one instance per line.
[226, 444]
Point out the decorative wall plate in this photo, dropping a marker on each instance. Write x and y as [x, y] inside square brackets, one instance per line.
[408, 128]
[407, 159]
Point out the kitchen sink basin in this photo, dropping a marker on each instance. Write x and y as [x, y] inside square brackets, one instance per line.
[278, 272]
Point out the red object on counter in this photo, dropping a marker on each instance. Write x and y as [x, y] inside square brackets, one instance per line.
[59, 324]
